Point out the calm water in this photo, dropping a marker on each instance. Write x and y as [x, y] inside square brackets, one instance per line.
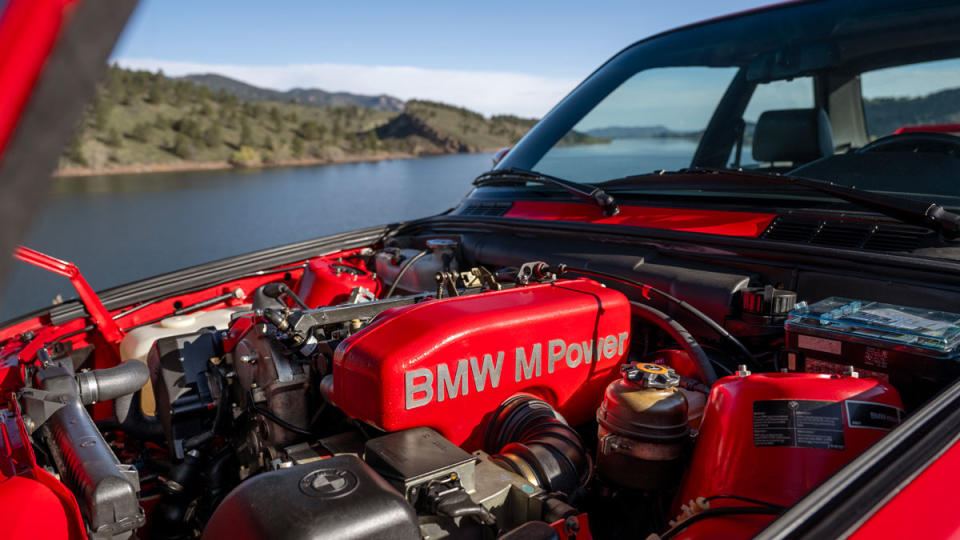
[619, 158]
[119, 229]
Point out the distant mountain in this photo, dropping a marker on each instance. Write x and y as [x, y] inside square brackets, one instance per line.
[885, 115]
[142, 121]
[304, 96]
[640, 132]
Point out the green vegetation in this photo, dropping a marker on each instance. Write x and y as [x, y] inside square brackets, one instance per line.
[886, 114]
[142, 118]
[245, 157]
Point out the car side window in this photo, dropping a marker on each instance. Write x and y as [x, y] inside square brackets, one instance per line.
[915, 97]
[796, 93]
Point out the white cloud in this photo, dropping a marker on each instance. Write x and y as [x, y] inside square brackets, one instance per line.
[484, 92]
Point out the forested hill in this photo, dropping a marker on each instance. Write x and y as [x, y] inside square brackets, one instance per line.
[147, 121]
[306, 96]
[885, 115]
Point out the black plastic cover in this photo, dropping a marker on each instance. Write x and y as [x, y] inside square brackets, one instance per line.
[182, 384]
[414, 454]
[106, 490]
[340, 497]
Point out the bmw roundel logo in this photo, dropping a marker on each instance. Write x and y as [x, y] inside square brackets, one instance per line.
[328, 483]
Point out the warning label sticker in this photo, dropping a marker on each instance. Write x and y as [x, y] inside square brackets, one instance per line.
[864, 414]
[798, 423]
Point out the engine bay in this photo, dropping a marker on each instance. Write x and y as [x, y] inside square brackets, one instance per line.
[466, 386]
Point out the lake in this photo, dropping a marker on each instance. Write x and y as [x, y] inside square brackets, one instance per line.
[122, 228]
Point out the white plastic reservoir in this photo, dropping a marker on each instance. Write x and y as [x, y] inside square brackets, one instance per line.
[137, 343]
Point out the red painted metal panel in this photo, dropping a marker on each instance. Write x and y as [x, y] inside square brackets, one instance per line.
[33, 504]
[28, 31]
[328, 282]
[721, 222]
[449, 363]
[918, 510]
[742, 445]
[935, 128]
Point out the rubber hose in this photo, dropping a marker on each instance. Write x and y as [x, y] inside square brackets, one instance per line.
[122, 384]
[527, 436]
[403, 270]
[111, 383]
[130, 418]
[681, 335]
[720, 330]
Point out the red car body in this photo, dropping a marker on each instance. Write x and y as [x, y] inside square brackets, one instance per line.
[34, 503]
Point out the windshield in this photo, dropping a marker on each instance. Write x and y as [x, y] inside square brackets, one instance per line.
[870, 100]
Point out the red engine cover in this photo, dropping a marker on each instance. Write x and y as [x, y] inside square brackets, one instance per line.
[327, 283]
[449, 363]
[774, 437]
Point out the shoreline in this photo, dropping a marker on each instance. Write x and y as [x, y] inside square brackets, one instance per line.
[185, 166]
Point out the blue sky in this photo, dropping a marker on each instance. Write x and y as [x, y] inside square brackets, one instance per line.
[496, 57]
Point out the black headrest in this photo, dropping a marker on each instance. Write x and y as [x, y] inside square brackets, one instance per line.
[794, 135]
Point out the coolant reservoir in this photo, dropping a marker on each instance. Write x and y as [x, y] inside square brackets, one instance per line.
[137, 343]
[643, 428]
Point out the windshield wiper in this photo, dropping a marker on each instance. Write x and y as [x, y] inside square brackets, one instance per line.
[924, 214]
[586, 192]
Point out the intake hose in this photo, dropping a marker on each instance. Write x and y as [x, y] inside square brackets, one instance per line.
[528, 437]
[131, 419]
[679, 334]
[106, 490]
[168, 521]
[111, 383]
[122, 384]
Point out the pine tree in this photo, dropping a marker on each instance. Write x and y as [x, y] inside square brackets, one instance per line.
[101, 112]
[141, 132]
[182, 147]
[153, 94]
[276, 118]
[296, 147]
[212, 136]
[75, 151]
[371, 141]
[246, 135]
[114, 139]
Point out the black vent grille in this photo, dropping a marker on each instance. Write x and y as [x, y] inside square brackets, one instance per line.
[485, 209]
[846, 234]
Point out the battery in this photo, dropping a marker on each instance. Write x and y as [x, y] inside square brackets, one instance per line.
[915, 350]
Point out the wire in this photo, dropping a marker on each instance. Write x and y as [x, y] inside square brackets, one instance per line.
[718, 512]
[403, 270]
[679, 334]
[745, 499]
[276, 419]
[721, 331]
[696, 386]
[293, 296]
